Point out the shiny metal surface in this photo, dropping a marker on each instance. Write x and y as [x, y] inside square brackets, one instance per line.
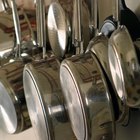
[87, 98]
[93, 10]
[41, 24]
[99, 47]
[80, 25]
[77, 26]
[45, 100]
[8, 39]
[124, 67]
[13, 110]
[67, 20]
[59, 28]
[16, 27]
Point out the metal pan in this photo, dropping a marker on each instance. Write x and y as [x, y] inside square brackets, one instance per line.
[124, 66]
[99, 47]
[13, 111]
[45, 100]
[87, 97]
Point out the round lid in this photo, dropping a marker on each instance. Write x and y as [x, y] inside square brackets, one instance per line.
[8, 114]
[74, 101]
[87, 98]
[124, 67]
[35, 103]
[116, 71]
[58, 29]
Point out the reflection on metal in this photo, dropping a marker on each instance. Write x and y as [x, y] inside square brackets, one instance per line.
[13, 110]
[8, 38]
[89, 94]
[16, 27]
[45, 100]
[125, 67]
[99, 46]
[59, 29]
[87, 98]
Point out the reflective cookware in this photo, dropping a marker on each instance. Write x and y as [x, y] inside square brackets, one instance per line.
[13, 111]
[45, 100]
[124, 66]
[99, 47]
[87, 98]
[67, 20]
[59, 28]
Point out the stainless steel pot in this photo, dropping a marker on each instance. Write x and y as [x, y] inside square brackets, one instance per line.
[124, 66]
[87, 97]
[45, 100]
[13, 111]
[99, 47]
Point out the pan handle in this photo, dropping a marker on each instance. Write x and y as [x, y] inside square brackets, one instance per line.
[94, 17]
[41, 24]
[77, 38]
[116, 11]
[17, 27]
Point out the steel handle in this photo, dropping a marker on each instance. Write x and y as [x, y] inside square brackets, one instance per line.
[41, 25]
[77, 26]
[116, 10]
[16, 26]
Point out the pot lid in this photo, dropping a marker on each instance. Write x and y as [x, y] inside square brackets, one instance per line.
[58, 29]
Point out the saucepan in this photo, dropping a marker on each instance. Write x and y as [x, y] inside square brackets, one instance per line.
[124, 66]
[45, 101]
[13, 110]
[99, 47]
[87, 98]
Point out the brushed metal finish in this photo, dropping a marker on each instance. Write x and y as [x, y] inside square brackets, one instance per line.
[87, 98]
[59, 29]
[124, 67]
[45, 100]
[8, 114]
[13, 110]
